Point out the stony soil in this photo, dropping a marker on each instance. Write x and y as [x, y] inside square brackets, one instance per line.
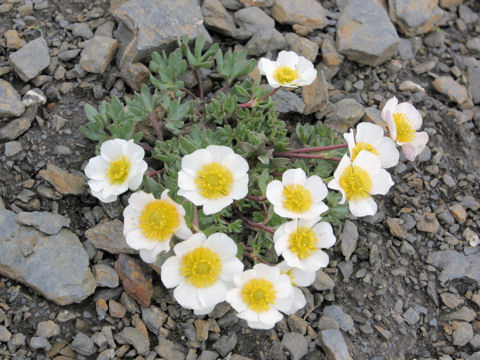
[403, 284]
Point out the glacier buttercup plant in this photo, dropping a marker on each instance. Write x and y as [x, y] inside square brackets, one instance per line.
[298, 278]
[150, 223]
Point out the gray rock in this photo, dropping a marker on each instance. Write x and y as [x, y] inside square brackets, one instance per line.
[154, 318]
[17, 127]
[349, 239]
[46, 222]
[217, 17]
[12, 148]
[68, 55]
[108, 236]
[105, 29]
[83, 345]
[456, 265]
[462, 334]
[225, 344]
[315, 95]
[467, 14]
[473, 77]
[137, 339]
[34, 97]
[105, 276]
[323, 281]
[435, 39]
[47, 329]
[97, 54]
[303, 46]
[169, 350]
[252, 19]
[135, 75]
[475, 356]
[336, 313]
[405, 49]
[31, 59]
[232, 4]
[287, 101]
[82, 30]
[464, 313]
[451, 300]
[155, 25]
[365, 33]
[37, 343]
[346, 113]
[265, 40]
[106, 355]
[10, 104]
[5, 335]
[296, 344]
[455, 92]
[334, 345]
[208, 355]
[475, 342]
[415, 17]
[17, 340]
[307, 13]
[411, 316]
[56, 266]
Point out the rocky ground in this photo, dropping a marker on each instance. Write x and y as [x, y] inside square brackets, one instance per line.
[403, 284]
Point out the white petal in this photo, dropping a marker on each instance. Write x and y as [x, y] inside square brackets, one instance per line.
[275, 192]
[368, 161]
[259, 325]
[186, 181]
[306, 71]
[236, 164]
[281, 211]
[130, 219]
[183, 231]
[294, 176]
[391, 105]
[139, 200]
[193, 196]
[308, 222]
[214, 206]
[230, 267]
[369, 133]
[248, 315]
[272, 82]
[283, 286]
[392, 127]
[234, 298]
[114, 189]
[149, 256]
[344, 163]
[136, 240]
[270, 273]
[364, 207]
[184, 247]
[170, 273]
[222, 244]
[317, 188]
[212, 295]
[291, 259]
[187, 296]
[287, 58]
[324, 232]
[137, 179]
[239, 188]
[317, 260]
[193, 162]
[315, 211]
[96, 168]
[270, 316]
[133, 150]
[204, 311]
[219, 152]
[420, 140]
[381, 182]
[111, 149]
[281, 243]
[303, 278]
[409, 151]
[104, 199]
[266, 66]
[388, 152]
[241, 279]
[349, 138]
[411, 113]
[293, 303]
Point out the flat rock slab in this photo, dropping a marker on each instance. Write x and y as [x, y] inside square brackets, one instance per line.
[108, 236]
[17, 127]
[31, 59]
[334, 345]
[473, 76]
[63, 181]
[136, 282]
[365, 33]
[308, 13]
[415, 17]
[217, 17]
[55, 266]
[155, 25]
[455, 92]
[456, 265]
[46, 222]
[10, 101]
[97, 54]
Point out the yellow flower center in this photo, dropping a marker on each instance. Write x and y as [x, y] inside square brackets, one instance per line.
[302, 242]
[297, 198]
[405, 130]
[289, 273]
[356, 182]
[259, 294]
[118, 170]
[285, 75]
[363, 146]
[159, 220]
[214, 181]
[201, 267]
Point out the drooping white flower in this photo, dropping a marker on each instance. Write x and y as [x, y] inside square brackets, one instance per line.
[290, 70]
[202, 271]
[297, 196]
[359, 180]
[119, 167]
[150, 223]
[370, 137]
[300, 243]
[403, 121]
[298, 278]
[259, 294]
[213, 177]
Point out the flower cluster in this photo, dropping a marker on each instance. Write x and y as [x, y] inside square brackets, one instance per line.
[205, 268]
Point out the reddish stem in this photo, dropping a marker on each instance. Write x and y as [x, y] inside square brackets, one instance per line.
[200, 84]
[256, 198]
[189, 93]
[256, 225]
[154, 172]
[254, 101]
[145, 146]
[195, 219]
[157, 127]
[319, 148]
[306, 156]
[254, 257]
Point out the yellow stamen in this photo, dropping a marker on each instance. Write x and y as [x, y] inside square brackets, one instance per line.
[363, 146]
[214, 181]
[298, 199]
[201, 267]
[285, 75]
[405, 130]
[159, 220]
[302, 242]
[259, 294]
[356, 182]
[117, 172]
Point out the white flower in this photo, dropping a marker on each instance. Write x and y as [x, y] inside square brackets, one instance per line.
[370, 137]
[213, 177]
[290, 70]
[259, 294]
[360, 179]
[150, 223]
[202, 271]
[297, 278]
[403, 120]
[296, 196]
[300, 243]
[119, 167]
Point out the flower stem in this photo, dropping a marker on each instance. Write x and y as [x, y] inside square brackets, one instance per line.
[318, 148]
[255, 257]
[256, 225]
[200, 84]
[154, 172]
[157, 127]
[189, 93]
[256, 198]
[145, 146]
[254, 101]
[306, 156]
[195, 219]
